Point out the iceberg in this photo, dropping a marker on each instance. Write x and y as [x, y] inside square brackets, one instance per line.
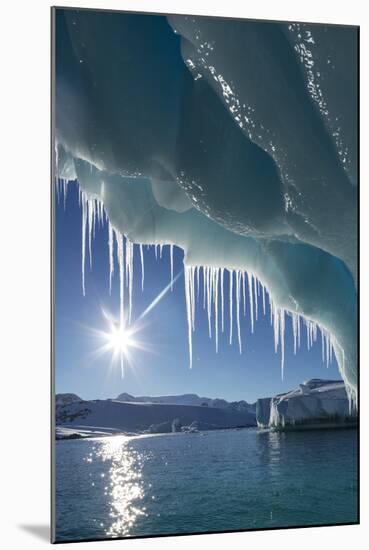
[241, 152]
[315, 403]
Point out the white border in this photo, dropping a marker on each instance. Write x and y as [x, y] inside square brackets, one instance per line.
[24, 395]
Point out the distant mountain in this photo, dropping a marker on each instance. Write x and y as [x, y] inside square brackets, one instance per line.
[66, 399]
[189, 399]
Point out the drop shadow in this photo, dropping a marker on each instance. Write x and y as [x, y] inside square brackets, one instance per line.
[42, 532]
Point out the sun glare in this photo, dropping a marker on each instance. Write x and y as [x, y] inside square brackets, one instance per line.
[119, 340]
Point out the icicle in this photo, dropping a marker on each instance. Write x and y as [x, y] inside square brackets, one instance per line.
[255, 297]
[222, 295]
[99, 213]
[282, 333]
[143, 269]
[120, 253]
[198, 281]
[84, 222]
[215, 293]
[94, 212]
[251, 299]
[193, 283]
[324, 356]
[294, 331]
[111, 255]
[276, 328]
[89, 228]
[263, 292]
[192, 289]
[238, 296]
[307, 334]
[161, 250]
[270, 309]
[65, 191]
[204, 284]
[326, 345]
[129, 275]
[298, 332]
[230, 305]
[189, 311]
[244, 292]
[208, 297]
[171, 266]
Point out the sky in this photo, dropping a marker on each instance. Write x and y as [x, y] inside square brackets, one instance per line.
[161, 367]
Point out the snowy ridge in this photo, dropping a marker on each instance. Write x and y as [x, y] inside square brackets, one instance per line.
[111, 416]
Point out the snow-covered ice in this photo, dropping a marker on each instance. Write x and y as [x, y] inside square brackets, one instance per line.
[315, 402]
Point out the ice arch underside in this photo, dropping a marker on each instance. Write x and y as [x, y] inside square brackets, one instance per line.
[235, 141]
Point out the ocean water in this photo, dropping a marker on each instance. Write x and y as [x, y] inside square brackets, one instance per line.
[214, 481]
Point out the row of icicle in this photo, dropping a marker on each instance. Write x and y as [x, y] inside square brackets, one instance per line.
[245, 290]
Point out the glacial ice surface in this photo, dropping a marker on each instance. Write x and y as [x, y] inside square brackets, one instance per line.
[314, 402]
[242, 152]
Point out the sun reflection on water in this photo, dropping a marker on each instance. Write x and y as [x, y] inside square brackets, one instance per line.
[124, 487]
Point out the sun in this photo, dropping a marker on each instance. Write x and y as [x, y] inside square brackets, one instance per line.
[119, 340]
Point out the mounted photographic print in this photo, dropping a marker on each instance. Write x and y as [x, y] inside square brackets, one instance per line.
[205, 274]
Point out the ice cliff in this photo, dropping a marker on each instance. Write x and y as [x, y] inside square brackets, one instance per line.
[314, 403]
[234, 140]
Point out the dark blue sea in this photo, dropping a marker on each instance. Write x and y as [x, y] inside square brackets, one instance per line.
[211, 481]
